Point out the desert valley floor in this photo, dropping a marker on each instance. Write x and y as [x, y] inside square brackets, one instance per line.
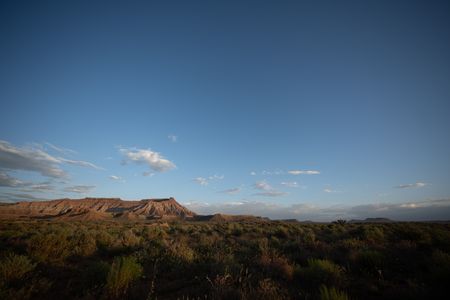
[157, 249]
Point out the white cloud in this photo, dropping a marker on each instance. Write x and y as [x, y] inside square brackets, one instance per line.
[276, 172]
[36, 160]
[272, 193]
[114, 177]
[61, 150]
[8, 181]
[421, 210]
[330, 190]
[264, 209]
[41, 187]
[80, 163]
[207, 180]
[291, 184]
[149, 174]
[146, 156]
[201, 180]
[29, 159]
[412, 211]
[262, 185]
[411, 185]
[80, 189]
[268, 172]
[304, 172]
[173, 138]
[281, 172]
[267, 190]
[17, 197]
[232, 191]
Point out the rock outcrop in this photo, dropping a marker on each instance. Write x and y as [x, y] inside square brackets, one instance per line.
[97, 209]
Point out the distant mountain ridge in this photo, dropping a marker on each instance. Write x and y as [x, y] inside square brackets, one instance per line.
[372, 220]
[97, 209]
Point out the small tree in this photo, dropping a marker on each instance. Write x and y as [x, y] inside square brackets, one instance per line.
[340, 222]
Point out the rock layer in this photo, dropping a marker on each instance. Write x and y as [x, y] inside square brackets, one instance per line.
[97, 209]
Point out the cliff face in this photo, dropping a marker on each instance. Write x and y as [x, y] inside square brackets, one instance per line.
[97, 209]
[157, 208]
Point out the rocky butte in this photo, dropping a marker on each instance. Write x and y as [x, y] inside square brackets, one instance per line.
[98, 209]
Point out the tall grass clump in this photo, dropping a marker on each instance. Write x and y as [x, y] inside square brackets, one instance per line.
[326, 293]
[123, 272]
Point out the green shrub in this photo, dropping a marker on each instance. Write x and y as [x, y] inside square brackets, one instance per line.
[130, 239]
[351, 244]
[84, 244]
[49, 248]
[104, 239]
[322, 271]
[124, 270]
[370, 261]
[309, 237]
[269, 290]
[223, 287]
[277, 266]
[14, 267]
[281, 232]
[243, 260]
[180, 250]
[373, 234]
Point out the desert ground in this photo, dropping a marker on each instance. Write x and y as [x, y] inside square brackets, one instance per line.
[222, 259]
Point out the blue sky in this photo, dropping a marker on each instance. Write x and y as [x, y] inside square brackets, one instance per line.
[228, 104]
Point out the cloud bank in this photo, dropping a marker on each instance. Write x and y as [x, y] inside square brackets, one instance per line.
[291, 184]
[407, 211]
[35, 159]
[273, 193]
[80, 189]
[291, 172]
[304, 172]
[29, 159]
[8, 181]
[232, 191]
[207, 180]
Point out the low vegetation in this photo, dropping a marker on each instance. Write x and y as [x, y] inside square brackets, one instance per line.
[223, 260]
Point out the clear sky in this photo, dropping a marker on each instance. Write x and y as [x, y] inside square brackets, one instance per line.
[281, 108]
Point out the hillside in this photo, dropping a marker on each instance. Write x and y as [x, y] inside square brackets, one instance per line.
[97, 209]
